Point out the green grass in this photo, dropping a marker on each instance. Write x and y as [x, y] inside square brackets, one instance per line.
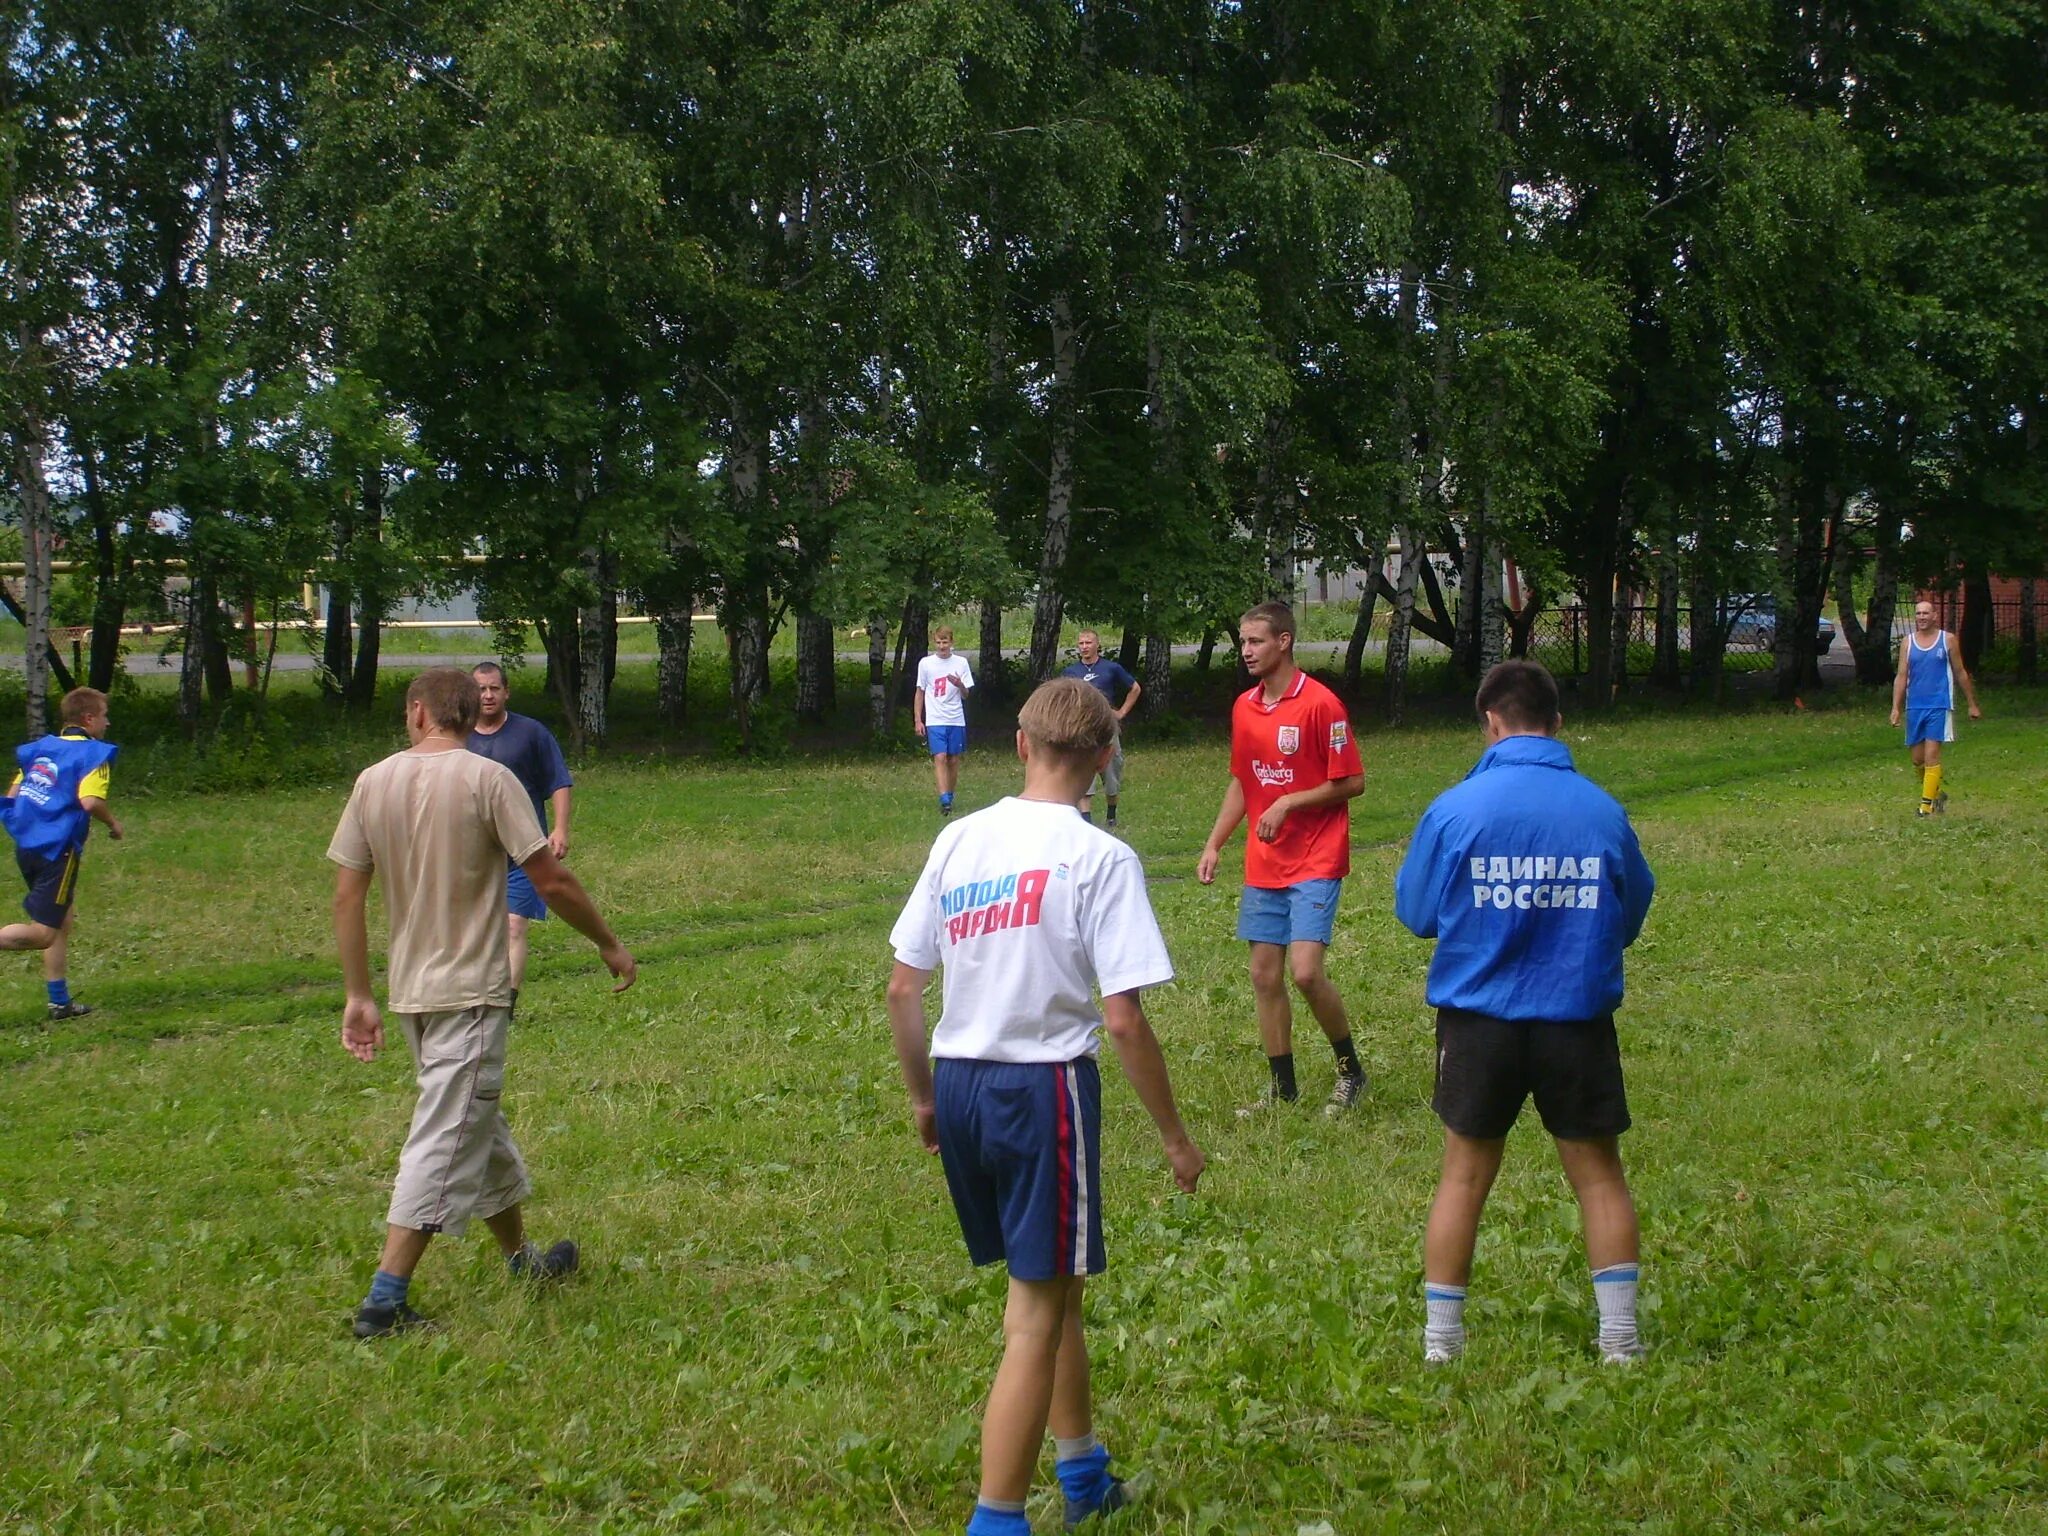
[1834, 1044]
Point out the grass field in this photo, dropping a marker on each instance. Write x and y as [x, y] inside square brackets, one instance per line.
[1834, 1037]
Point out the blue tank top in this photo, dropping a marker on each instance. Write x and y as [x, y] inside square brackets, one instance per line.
[44, 816]
[1928, 682]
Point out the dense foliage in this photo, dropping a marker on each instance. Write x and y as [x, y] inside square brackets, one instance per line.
[834, 312]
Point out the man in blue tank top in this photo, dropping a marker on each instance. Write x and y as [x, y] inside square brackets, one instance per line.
[1924, 693]
[59, 792]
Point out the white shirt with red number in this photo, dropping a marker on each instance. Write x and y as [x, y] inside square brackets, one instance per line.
[1300, 741]
[1030, 911]
[944, 682]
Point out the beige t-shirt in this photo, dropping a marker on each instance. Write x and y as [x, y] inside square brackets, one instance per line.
[439, 827]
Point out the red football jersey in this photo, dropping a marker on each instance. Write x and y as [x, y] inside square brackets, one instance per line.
[1278, 749]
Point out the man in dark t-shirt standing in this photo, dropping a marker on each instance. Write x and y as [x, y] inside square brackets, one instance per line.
[530, 750]
[1109, 679]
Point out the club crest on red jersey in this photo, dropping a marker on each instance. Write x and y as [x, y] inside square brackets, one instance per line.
[1289, 739]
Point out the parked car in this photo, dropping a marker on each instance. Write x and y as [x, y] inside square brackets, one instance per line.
[1752, 623]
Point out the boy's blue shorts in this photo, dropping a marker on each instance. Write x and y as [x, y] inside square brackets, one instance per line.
[521, 899]
[1290, 913]
[946, 740]
[1022, 1146]
[1930, 725]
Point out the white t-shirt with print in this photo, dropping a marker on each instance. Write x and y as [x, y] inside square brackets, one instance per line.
[1031, 911]
[944, 682]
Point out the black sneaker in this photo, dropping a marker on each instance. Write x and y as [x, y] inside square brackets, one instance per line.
[1114, 1498]
[69, 1011]
[945, 810]
[558, 1263]
[1347, 1092]
[380, 1322]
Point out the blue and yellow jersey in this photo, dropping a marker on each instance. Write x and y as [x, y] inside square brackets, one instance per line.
[93, 786]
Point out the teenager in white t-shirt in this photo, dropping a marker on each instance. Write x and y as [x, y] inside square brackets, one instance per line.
[939, 710]
[1031, 911]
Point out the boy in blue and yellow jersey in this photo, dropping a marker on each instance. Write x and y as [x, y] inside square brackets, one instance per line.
[60, 790]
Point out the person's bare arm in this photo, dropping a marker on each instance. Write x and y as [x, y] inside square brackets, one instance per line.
[96, 808]
[1131, 700]
[1899, 682]
[1137, 1049]
[558, 802]
[565, 895]
[362, 1026]
[1228, 815]
[1962, 675]
[906, 1027]
[917, 708]
[1329, 792]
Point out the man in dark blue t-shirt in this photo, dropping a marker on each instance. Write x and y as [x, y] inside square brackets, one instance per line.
[530, 750]
[1109, 679]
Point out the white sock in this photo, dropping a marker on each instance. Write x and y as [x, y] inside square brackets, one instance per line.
[1444, 1331]
[1614, 1292]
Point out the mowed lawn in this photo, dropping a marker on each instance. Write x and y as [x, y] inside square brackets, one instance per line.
[1835, 1044]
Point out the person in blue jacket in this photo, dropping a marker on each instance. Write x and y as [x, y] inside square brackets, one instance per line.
[60, 790]
[1530, 880]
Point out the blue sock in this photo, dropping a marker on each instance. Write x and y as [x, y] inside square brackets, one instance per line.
[60, 992]
[1084, 1478]
[946, 798]
[998, 1520]
[388, 1290]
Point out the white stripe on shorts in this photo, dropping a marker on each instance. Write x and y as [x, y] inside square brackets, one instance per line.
[1080, 1170]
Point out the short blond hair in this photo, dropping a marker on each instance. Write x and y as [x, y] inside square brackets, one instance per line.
[943, 632]
[451, 697]
[1066, 718]
[81, 704]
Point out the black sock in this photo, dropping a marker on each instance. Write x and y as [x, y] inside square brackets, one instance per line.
[1283, 1077]
[1347, 1058]
[1088, 817]
[1112, 815]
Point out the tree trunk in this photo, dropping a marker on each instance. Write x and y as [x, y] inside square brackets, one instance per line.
[591, 722]
[38, 536]
[1979, 623]
[745, 610]
[370, 599]
[337, 643]
[991, 672]
[1158, 677]
[1802, 578]
[192, 659]
[1064, 411]
[673, 632]
[1465, 638]
[878, 674]
[1606, 609]
[914, 643]
[1492, 611]
[1705, 633]
[110, 582]
[1869, 634]
[1401, 627]
[1128, 652]
[2030, 658]
[1664, 669]
[816, 661]
[1361, 630]
[1206, 652]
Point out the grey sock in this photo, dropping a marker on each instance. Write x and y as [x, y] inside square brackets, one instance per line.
[1080, 1445]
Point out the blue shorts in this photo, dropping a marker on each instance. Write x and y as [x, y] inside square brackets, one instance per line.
[946, 740]
[1022, 1148]
[1289, 914]
[1935, 724]
[521, 899]
[52, 885]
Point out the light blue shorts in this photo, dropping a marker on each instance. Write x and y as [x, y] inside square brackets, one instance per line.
[946, 740]
[1292, 913]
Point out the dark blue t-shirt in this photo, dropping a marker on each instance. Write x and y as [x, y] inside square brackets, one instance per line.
[530, 750]
[1106, 677]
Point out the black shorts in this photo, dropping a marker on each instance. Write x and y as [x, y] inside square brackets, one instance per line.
[1485, 1067]
[52, 885]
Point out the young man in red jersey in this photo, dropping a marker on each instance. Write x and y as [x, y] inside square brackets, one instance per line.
[1293, 770]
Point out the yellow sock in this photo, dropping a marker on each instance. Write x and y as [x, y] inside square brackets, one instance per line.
[1930, 784]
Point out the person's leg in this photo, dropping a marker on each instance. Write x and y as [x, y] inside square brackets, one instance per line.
[57, 956]
[509, 1228]
[1470, 1164]
[404, 1247]
[1613, 1239]
[1080, 1461]
[1930, 775]
[1276, 1015]
[949, 773]
[27, 936]
[1305, 965]
[516, 943]
[1020, 1400]
[1113, 777]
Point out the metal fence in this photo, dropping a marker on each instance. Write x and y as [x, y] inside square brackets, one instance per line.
[1561, 639]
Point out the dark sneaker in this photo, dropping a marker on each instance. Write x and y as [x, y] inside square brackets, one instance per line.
[1926, 809]
[1347, 1092]
[1114, 1498]
[381, 1322]
[1941, 803]
[558, 1263]
[1263, 1106]
[69, 1011]
[945, 811]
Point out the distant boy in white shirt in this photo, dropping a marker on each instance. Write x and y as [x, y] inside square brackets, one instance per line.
[1031, 910]
[939, 710]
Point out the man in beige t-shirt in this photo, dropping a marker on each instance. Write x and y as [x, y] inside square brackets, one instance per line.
[439, 822]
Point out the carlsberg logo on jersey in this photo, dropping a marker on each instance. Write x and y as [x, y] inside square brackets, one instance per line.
[988, 906]
[1541, 882]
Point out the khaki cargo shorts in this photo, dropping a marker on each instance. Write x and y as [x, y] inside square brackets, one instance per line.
[459, 1159]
